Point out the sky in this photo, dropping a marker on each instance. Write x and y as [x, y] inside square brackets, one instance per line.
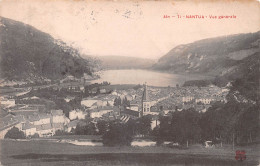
[133, 28]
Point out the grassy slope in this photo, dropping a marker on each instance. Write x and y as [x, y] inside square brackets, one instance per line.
[35, 151]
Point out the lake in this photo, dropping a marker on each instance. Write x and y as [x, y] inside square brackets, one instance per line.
[152, 78]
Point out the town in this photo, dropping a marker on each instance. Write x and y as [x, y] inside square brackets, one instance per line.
[43, 111]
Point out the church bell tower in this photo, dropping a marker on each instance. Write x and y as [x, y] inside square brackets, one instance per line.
[145, 102]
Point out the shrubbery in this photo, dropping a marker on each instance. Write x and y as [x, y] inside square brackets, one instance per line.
[15, 133]
[118, 135]
[60, 132]
[87, 129]
[36, 135]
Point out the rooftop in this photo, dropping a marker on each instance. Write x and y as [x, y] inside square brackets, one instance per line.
[57, 112]
[43, 127]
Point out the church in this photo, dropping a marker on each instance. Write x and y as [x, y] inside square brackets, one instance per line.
[146, 105]
[145, 108]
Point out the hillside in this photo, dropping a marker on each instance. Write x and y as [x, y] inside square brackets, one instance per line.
[28, 54]
[215, 56]
[122, 62]
[234, 59]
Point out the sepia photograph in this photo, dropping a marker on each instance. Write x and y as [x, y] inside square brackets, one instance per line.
[129, 82]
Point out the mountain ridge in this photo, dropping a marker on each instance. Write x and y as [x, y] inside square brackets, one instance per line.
[29, 54]
[225, 57]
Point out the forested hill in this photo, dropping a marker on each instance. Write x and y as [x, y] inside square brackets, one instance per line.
[215, 56]
[29, 54]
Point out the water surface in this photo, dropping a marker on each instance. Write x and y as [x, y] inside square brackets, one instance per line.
[152, 78]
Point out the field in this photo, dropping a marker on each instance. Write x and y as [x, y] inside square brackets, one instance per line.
[44, 152]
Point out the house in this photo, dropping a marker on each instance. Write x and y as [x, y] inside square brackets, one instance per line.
[57, 126]
[29, 129]
[7, 102]
[44, 119]
[20, 118]
[154, 110]
[82, 114]
[204, 100]
[34, 119]
[77, 114]
[73, 115]
[187, 99]
[110, 102]
[69, 98]
[99, 112]
[44, 130]
[82, 88]
[88, 103]
[26, 109]
[133, 106]
[110, 116]
[130, 113]
[67, 79]
[74, 88]
[103, 91]
[100, 103]
[57, 116]
[129, 97]
[114, 93]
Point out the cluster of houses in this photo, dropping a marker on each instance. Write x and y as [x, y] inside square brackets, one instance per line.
[42, 124]
[142, 102]
[7, 102]
[194, 97]
[202, 100]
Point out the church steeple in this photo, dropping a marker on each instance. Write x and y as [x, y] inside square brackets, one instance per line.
[145, 102]
[145, 96]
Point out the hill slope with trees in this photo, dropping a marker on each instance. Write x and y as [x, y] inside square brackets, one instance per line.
[29, 54]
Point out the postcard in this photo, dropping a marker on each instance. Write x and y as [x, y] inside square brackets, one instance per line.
[129, 82]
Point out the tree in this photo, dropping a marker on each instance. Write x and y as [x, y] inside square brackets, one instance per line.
[181, 127]
[144, 125]
[212, 122]
[117, 101]
[125, 102]
[102, 126]
[247, 125]
[86, 129]
[36, 135]
[15, 133]
[60, 132]
[63, 105]
[75, 103]
[118, 135]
